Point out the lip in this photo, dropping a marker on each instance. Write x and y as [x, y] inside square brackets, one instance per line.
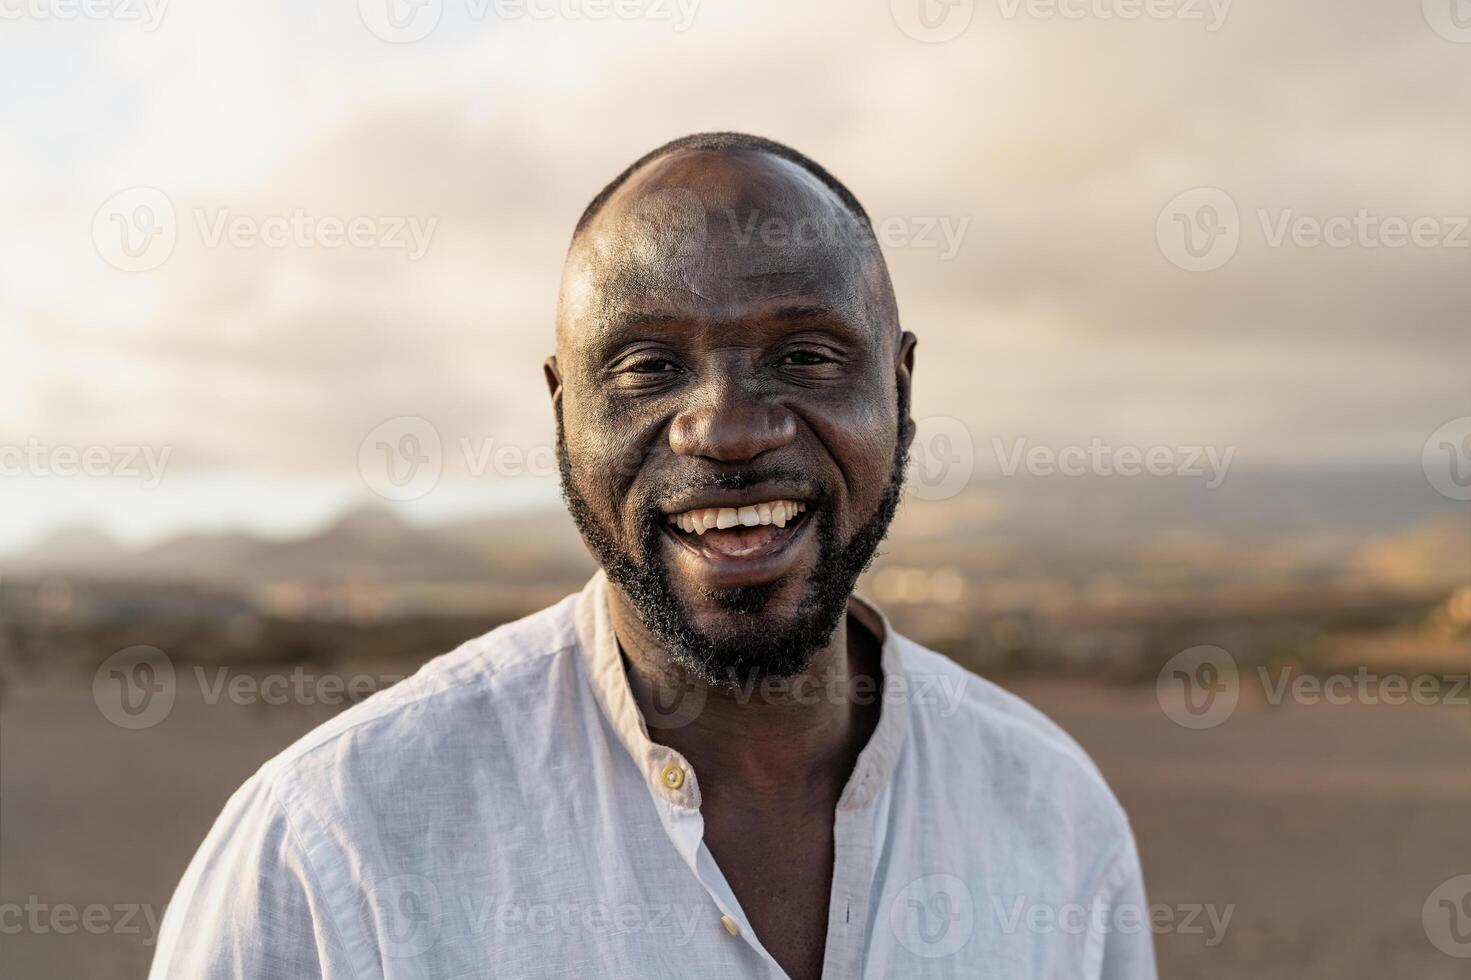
[712, 570]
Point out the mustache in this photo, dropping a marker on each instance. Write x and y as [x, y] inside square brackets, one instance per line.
[676, 486]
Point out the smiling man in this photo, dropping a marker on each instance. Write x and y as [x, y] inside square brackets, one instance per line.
[715, 760]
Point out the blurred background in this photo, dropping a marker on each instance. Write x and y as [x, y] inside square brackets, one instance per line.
[1191, 285]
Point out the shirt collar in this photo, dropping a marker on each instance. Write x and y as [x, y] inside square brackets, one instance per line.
[668, 773]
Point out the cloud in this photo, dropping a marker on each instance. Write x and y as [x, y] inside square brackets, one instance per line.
[1057, 142]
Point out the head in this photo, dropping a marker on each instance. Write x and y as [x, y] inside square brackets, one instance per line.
[729, 353]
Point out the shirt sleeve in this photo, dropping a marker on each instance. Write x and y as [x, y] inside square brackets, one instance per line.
[248, 905]
[1128, 943]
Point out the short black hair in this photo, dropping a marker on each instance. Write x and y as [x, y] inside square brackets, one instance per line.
[719, 142]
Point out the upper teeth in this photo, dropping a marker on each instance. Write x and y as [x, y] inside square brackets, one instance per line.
[776, 512]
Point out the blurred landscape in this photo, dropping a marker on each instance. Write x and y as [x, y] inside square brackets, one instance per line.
[1071, 592]
[1092, 578]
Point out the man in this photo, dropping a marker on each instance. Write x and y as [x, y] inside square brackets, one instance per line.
[715, 760]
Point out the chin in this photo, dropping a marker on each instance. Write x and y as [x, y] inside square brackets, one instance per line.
[748, 633]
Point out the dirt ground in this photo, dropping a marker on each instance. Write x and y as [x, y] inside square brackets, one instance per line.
[1322, 828]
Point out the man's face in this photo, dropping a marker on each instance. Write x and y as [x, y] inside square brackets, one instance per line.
[728, 354]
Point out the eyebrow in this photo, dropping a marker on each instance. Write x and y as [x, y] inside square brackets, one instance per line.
[630, 322]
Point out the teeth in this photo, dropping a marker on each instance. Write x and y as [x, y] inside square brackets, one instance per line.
[777, 512]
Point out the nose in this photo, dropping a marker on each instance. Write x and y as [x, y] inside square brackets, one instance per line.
[731, 424]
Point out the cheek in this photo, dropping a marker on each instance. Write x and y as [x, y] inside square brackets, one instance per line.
[860, 437]
[606, 453]
[868, 461]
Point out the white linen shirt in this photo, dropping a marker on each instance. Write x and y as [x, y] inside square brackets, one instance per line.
[504, 813]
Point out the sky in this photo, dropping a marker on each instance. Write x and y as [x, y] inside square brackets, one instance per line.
[258, 260]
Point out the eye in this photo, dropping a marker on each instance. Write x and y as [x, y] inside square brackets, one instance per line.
[804, 358]
[653, 365]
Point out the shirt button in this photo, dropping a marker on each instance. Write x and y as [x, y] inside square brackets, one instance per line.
[730, 925]
[672, 776]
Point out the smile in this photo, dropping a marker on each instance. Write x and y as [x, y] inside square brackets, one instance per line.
[702, 519]
[746, 532]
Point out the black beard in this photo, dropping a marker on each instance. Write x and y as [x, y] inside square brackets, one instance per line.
[767, 649]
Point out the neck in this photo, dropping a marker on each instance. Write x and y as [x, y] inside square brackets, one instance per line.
[772, 735]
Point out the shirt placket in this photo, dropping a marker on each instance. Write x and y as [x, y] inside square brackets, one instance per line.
[848, 910]
[676, 795]
[677, 798]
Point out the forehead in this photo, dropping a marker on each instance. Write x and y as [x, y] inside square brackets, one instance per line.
[734, 239]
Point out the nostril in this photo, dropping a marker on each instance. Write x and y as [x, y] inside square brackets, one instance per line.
[736, 432]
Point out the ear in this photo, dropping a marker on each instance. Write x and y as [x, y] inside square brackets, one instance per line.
[553, 376]
[903, 378]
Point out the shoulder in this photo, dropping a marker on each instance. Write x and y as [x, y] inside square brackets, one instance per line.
[991, 736]
[482, 689]
[303, 839]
